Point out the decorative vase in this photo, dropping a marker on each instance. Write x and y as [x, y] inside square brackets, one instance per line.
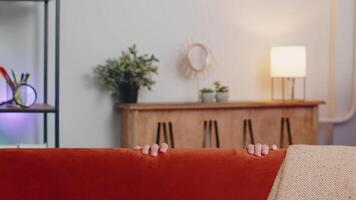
[128, 93]
[222, 97]
[207, 97]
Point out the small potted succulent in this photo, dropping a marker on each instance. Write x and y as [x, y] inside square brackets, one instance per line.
[207, 95]
[123, 77]
[222, 92]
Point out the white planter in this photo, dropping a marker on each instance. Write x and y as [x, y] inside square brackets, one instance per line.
[222, 96]
[207, 97]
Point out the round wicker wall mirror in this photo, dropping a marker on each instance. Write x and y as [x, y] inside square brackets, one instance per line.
[198, 57]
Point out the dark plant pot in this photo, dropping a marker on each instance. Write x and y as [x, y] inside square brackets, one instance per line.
[128, 93]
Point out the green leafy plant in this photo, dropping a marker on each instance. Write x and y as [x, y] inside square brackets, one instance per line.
[129, 68]
[206, 90]
[220, 88]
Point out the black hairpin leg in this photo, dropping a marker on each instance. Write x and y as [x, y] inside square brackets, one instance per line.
[158, 137]
[169, 141]
[171, 134]
[244, 132]
[207, 133]
[281, 139]
[248, 127]
[210, 133]
[251, 131]
[165, 136]
[289, 131]
[217, 134]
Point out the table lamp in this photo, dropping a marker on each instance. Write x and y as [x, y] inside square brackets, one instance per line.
[288, 63]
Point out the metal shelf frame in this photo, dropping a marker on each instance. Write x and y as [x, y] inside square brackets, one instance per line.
[44, 108]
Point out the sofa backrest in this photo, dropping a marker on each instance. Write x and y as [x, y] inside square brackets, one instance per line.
[123, 174]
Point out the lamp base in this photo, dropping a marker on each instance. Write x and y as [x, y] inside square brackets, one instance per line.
[292, 81]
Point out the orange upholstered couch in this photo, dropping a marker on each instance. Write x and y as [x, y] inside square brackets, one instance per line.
[122, 174]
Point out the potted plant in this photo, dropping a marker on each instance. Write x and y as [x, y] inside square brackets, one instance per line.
[123, 77]
[222, 92]
[207, 95]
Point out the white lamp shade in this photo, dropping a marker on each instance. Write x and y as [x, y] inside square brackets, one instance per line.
[288, 62]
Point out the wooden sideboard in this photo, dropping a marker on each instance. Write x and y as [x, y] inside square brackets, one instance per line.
[227, 125]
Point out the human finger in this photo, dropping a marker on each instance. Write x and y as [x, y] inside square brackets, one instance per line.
[146, 149]
[250, 149]
[274, 147]
[137, 148]
[265, 149]
[163, 148]
[258, 150]
[154, 150]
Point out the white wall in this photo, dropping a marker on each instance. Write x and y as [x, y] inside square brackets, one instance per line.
[19, 50]
[239, 32]
[344, 134]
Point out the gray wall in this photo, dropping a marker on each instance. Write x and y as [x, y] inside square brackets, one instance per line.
[239, 33]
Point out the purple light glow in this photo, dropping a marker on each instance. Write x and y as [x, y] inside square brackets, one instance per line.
[15, 128]
[3, 92]
[9, 119]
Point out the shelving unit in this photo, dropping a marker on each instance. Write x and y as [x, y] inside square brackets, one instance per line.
[45, 108]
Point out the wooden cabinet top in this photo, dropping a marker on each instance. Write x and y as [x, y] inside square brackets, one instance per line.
[228, 105]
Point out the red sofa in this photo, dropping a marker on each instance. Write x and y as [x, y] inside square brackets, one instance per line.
[123, 174]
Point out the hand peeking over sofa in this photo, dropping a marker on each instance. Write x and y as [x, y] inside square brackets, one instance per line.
[257, 149]
[153, 150]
